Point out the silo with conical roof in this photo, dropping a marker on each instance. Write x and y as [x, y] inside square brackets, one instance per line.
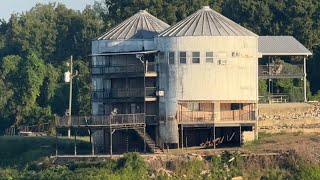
[208, 72]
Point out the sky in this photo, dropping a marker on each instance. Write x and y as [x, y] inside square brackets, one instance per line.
[7, 7]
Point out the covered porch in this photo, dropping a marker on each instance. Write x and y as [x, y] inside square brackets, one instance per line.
[282, 60]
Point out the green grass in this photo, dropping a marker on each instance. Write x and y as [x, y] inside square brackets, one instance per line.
[18, 150]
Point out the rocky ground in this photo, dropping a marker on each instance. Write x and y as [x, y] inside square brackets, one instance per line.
[314, 113]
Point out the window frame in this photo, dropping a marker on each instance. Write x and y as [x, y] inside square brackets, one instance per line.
[171, 59]
[209, 57]
[183, 57]
[197, 58]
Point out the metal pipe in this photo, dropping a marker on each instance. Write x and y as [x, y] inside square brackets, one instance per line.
[305, 78]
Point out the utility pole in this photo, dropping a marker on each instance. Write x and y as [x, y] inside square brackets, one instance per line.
[68, 78]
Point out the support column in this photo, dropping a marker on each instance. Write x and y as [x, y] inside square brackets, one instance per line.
[181, 128]
[240, 135]
[214, 136]
[144, 139]
[216, 111]
[92, 143]
[257, 121]
[75, 142]
[305, 78]
[56, 142]
[110, 143]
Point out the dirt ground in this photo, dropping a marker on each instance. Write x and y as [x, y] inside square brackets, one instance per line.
[306, 145]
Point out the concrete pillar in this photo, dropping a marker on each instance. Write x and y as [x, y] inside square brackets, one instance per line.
[216, 111]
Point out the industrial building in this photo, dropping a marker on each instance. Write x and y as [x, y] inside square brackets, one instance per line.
[192, 84]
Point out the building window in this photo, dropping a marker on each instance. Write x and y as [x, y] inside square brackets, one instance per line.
[209, 57]
[183, 57]
[196, 57]
[171, 57]
[94, 61]
[193, 106]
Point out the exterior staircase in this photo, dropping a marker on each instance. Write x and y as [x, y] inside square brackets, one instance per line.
[150, 143]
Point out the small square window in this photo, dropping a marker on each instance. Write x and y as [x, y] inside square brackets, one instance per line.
[183, 57]
[196, 57]
[171, 57]
[209, 57]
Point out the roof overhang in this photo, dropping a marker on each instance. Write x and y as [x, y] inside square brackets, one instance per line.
[281, 46]
[125, 53]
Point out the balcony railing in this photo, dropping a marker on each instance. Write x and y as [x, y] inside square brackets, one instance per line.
[195, 116]
[107, 120]
[202, 116]
[123, 93]
[237, 115]
[130, 68]
[280, 70]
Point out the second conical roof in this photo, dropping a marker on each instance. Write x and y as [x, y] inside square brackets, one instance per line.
[141, 25]
[206, 22]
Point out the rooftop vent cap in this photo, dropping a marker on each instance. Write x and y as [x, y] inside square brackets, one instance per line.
[143, 11]
[206, 8]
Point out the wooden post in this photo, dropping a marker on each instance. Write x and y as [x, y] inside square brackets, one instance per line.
[186, 143]
[104, 141]
[111, 142]
[305, 79]
[240, 134]
[56, 142]
[92, 143]
[214, 136]
[182, 136]
[144, 139]
[75, 142]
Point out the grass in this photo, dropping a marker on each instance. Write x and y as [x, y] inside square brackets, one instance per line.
[19, 150]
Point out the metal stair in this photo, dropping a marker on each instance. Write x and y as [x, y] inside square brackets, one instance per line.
[151, 144]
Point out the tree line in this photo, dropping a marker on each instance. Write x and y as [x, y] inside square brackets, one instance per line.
[35, 46]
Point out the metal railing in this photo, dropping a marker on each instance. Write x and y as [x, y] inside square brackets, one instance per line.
[123, 93]
[106, 120]
[237, 115]
[280, 70]
[195, 116]
[202, 116]
[130, 68]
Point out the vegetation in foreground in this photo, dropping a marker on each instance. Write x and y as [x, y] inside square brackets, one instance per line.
[25, 158]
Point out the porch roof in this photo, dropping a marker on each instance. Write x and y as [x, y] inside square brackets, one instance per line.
[281, 46]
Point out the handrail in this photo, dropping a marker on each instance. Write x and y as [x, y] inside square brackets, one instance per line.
[279, 69]
[120, 93]
[129, 68]
[103, 120]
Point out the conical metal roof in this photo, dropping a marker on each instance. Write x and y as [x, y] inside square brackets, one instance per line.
[141, 25]
[206, 22]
